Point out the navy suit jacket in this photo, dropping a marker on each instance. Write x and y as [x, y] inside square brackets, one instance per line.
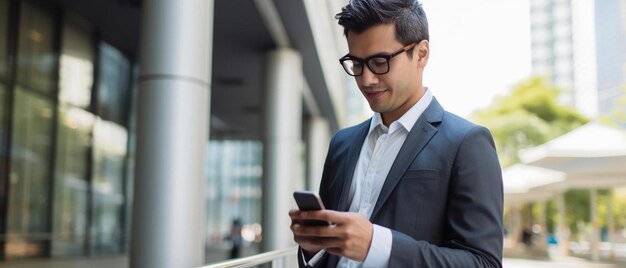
[442, 198]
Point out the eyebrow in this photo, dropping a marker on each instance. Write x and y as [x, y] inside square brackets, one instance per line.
[370, 56]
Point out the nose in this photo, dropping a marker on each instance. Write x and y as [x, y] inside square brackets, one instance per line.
[368, 78]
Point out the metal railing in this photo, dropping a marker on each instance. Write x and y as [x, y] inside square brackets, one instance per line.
[276, 259]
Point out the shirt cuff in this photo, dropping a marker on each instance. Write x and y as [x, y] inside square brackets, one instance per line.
[380, 248]
[315, 259]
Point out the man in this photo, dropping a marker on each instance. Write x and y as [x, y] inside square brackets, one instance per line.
[414, 186]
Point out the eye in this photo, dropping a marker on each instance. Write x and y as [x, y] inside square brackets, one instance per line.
[378, 62]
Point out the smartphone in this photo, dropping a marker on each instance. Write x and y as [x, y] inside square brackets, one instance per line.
[307, 201]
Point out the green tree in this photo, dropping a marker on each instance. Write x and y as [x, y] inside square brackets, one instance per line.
[529, 116]
[577, 209]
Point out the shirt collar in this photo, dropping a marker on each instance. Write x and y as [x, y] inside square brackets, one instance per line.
[408, 119]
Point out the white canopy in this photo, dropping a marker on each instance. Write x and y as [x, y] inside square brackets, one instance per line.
[521, 183]
[592, 156]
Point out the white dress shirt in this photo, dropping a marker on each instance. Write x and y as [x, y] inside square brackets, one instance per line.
[379, 151]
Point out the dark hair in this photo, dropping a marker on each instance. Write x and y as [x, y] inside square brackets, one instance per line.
[407, 15]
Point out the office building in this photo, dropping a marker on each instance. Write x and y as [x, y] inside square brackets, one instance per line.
[151, 125]
[580, 47]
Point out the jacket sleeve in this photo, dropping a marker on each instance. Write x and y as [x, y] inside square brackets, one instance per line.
[474, 230]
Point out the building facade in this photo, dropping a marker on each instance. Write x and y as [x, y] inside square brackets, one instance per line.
[82, 108]
[64, 129]
[580, 46]
[552, 44]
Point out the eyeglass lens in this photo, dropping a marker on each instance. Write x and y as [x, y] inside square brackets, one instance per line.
[378, 65]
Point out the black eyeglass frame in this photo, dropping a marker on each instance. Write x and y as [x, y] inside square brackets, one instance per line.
[366, 61]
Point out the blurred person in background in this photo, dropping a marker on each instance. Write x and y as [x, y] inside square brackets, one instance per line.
[235, 238]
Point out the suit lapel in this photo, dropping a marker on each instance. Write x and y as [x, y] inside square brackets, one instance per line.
[348, 171]
[418, 137]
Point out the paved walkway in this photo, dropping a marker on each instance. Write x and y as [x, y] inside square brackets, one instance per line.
[561, 262]
[116, 261]
[122, 262]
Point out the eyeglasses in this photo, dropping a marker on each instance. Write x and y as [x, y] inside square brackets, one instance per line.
[378, 64]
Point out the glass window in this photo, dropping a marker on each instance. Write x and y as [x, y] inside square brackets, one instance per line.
[76, 64]
[233, 188]
[69, 221]
[36, 60]
[27, 217]
[113, 84]
[3, 129]
[4, 34]
[109, 154]
[3, 147]
[130, 157]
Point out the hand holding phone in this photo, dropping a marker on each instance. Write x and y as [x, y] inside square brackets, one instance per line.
[308, 201]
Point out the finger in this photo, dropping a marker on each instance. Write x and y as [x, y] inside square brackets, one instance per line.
[318, 242]
[294, 212]
[296, 215]
[316, 231]
[336, 217]
[336, 245]
[324, 214]
[302, 215]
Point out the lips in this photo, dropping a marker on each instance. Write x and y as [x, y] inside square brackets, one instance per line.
[374, 95]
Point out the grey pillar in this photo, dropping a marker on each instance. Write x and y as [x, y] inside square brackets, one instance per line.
[319, 137]
[282, 171]
[543, 205]
[610, 223]
[563, 231]
[516, 225]
[172, 133]
[595, 230]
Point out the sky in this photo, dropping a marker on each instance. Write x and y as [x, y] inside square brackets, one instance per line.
[478, 50]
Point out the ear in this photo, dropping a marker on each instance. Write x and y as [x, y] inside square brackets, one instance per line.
[422, 50]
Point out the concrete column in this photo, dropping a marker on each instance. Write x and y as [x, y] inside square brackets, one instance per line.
[610, 223]
[563, 231]
[317, 147]
[543, 205]
[516, 225]
[595, 230]
[282, 160]
[172, 133]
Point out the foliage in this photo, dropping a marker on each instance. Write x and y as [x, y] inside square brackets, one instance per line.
[619, 207]
[529, 116]
[577, 209]
[552, 218]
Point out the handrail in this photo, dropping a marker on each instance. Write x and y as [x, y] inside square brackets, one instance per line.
[256, 259]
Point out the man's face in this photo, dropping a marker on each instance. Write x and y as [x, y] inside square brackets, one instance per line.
[393, 93]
